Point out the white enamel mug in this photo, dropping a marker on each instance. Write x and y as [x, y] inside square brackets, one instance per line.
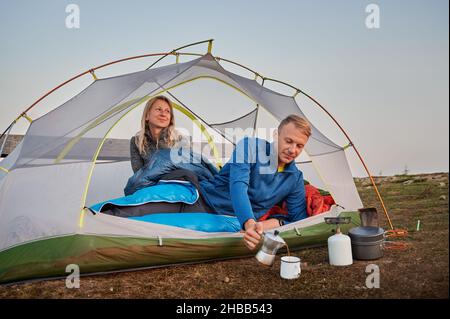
[290, 267]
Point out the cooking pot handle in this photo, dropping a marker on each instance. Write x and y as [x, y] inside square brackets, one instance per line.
[396, 233]
[394, 245]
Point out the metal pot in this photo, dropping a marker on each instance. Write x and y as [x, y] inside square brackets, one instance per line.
[367, 242]
[272, 242]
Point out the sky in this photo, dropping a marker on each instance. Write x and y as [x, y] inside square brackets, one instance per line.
[387, 86]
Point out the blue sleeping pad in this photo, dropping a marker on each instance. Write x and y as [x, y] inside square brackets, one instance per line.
[205, 222]
[174, 192]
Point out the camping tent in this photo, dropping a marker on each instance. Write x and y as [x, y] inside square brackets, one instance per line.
[68, 161]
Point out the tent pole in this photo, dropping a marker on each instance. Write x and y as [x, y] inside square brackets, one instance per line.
[257, 110]
[256, 120]
[359, 156]
[80, 75]
[8, 129]
[375, 187]
[210, 45]
[348, 138]
[198, 117]
[174, 51]
[6, 135]
[107, 64]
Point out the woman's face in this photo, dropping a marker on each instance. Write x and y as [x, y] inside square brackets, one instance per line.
[159, 114]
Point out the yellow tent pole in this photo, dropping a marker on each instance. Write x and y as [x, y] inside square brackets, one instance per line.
[202, 129]
[94, 160]
[25, 116]
[94, 124]
[210, 45]
[93, 74]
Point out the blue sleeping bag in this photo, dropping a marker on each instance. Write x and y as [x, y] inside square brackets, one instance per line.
[166, 160]
[172, 192]
[164, 191]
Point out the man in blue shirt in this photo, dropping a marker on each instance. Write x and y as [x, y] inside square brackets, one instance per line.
[258, 176]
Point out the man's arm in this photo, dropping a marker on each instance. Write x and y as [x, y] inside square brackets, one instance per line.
[240, 201]
[243, 156]
[296, 201]
[240, 178]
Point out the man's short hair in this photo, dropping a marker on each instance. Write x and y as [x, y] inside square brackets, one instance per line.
[299, 123]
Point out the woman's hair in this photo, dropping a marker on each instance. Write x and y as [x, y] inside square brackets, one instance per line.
[168, 134]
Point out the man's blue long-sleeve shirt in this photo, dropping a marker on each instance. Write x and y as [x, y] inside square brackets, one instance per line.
[250, 184]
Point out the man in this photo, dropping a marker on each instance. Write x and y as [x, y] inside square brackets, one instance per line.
[258, 176]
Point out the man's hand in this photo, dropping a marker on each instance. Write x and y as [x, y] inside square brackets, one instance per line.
[253, 232]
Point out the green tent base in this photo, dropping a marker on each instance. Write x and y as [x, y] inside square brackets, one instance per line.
[48, 258]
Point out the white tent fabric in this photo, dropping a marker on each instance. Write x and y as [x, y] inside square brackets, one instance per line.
[42, 195]
[39, 202]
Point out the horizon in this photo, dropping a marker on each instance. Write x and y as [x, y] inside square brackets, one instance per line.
[403, 173]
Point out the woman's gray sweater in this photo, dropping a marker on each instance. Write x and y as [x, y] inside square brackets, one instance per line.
[138, 160]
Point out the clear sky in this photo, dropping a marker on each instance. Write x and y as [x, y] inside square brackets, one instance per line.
[387, 86]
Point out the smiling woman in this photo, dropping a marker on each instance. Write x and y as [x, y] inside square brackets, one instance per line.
[157, 130]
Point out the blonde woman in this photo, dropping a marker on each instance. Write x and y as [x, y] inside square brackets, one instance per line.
[157, 134]
[157, 131]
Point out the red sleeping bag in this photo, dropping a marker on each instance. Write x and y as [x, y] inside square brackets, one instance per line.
[316, 203]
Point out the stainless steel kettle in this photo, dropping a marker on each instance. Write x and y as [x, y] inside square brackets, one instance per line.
[272, 242]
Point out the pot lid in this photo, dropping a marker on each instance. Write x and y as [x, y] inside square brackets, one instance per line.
[274, 236]
[366, 233]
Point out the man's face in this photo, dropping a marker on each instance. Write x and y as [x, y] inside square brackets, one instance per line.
[291, 142]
